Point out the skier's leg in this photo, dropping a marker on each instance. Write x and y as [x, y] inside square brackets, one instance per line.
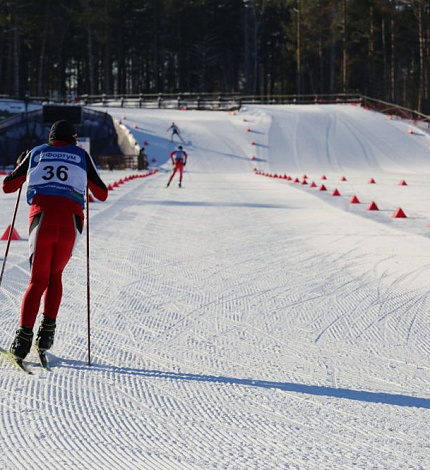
[61, 255]
[40, 241]
[172, 175]
[68, 232]
[181, 170]
[41, 251]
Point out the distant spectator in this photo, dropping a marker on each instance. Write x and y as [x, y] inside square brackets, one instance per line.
[142, 160]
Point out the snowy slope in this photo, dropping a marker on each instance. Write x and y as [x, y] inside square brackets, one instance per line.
[242, 321]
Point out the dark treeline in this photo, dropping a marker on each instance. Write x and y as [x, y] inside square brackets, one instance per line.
[54, 48]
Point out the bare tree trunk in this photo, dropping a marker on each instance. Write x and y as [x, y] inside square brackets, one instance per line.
[321, 65]
[393, 61]
[421, 42]
[333, 51]
[107, 51]
[90, 61]
[16, 87]
[299, 48]
[2, 56]
[344, 49]
[386, 77]
[246, 48]
[371, 51]
[42, 52]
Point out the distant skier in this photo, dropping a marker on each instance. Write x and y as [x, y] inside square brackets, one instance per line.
[57, 175]
[175, 131]
[179, 160]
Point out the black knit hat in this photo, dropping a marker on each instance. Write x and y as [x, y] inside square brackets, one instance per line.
[63, 130]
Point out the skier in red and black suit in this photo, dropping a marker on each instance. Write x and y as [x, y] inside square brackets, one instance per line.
[57, 176]
[179, 160]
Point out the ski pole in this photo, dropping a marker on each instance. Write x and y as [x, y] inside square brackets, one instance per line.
[12, 225]
[88, 280]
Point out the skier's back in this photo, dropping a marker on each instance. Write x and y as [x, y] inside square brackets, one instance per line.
[179, 160]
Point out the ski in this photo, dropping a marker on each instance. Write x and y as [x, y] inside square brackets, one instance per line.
[18, 363]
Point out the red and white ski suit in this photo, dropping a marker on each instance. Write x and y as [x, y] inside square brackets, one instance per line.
[54, 225]
[179, 160]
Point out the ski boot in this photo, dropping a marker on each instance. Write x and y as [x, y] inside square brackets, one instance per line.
[21, 345]
[45, 340]
[45, 335]
[180, 184]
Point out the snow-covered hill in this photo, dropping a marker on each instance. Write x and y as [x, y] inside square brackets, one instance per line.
[242, 321]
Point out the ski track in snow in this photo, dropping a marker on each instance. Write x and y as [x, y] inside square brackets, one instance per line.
[240, 322]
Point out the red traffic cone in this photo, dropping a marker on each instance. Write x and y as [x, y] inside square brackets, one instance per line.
[371, 181]
[372, 206]
[323, 188]
[354, 200]
[313, 185]
[402, 183]
[399, 214]
[323, 177]
[335, 193]
[14, 235]
[343, 178]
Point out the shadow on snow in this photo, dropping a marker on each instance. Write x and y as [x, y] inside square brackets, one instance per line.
[316, 390]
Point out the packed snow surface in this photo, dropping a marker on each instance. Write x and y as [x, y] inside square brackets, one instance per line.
[242, 321]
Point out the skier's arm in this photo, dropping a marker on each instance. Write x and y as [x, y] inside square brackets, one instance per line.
[17, 178]
[185, 156]
[95, 184]
[172, 154]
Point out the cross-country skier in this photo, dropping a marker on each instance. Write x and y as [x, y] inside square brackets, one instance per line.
[175, 131]
[57, 175]
[179, 160]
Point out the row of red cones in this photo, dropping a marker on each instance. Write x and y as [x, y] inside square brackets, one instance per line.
[305, 177]
[121, 181]
[397, 214]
